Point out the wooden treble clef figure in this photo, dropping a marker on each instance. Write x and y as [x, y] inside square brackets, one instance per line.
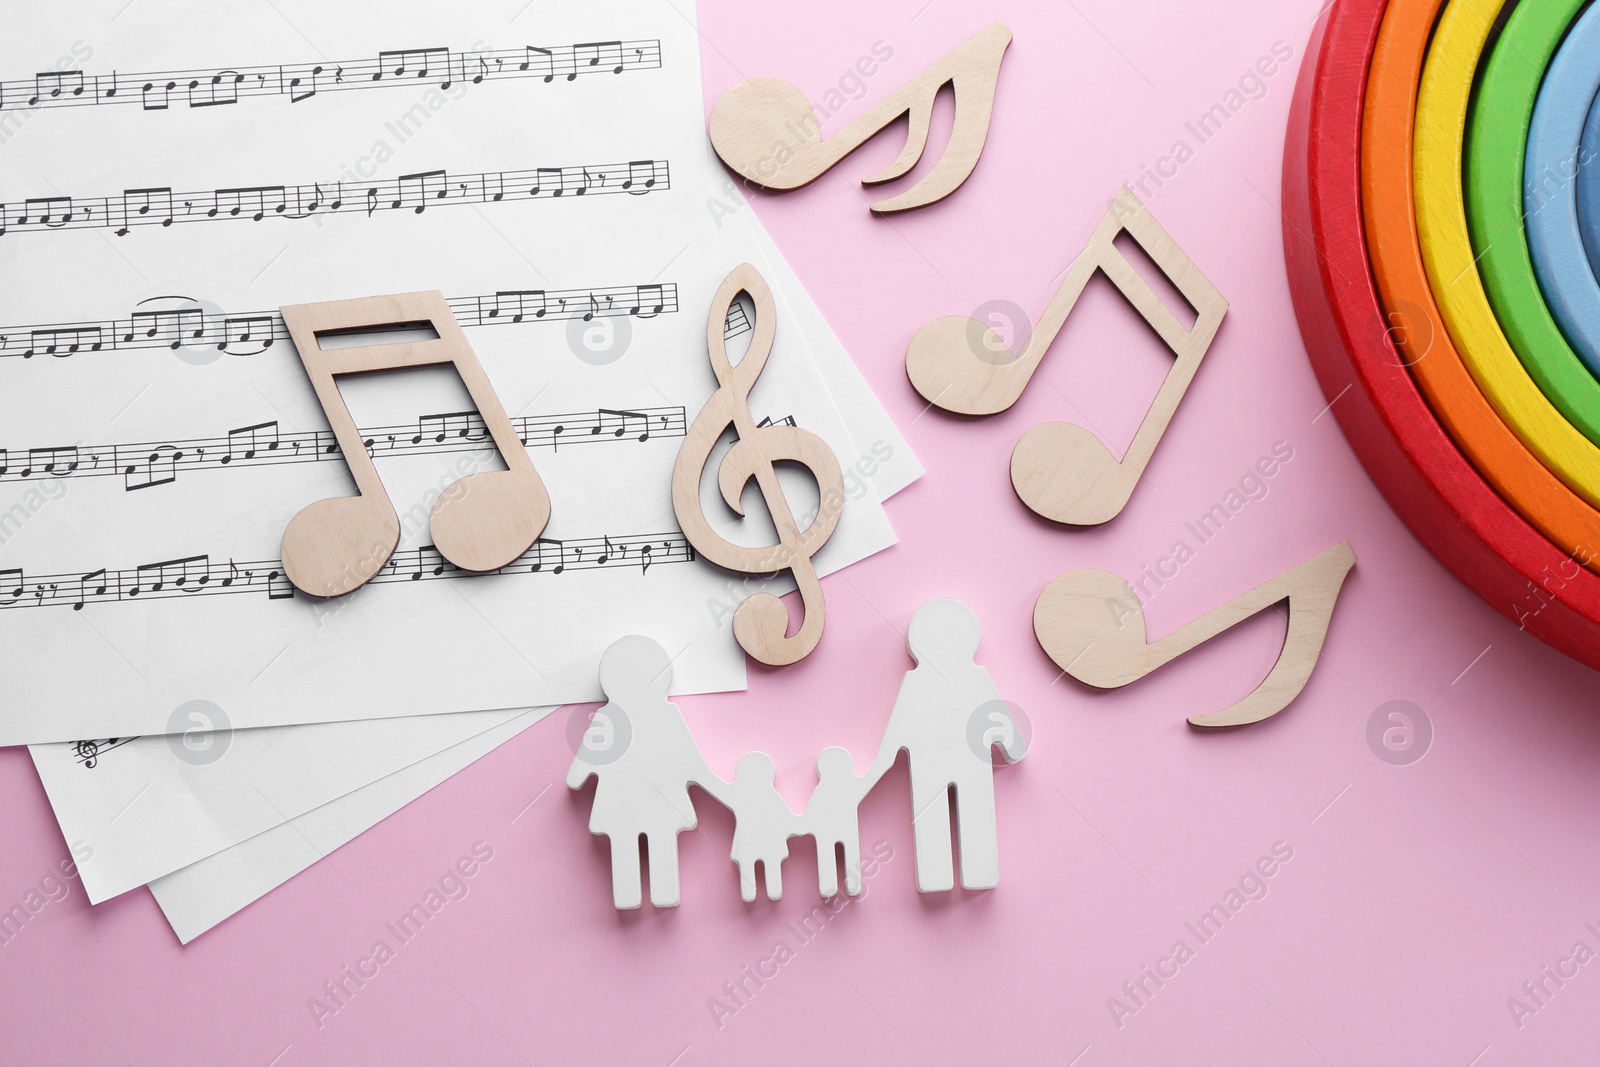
[761, 623]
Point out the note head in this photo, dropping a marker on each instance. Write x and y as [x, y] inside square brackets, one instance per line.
[962, 366]
[1091, 624]
[749, 117]
[335, 546]
[1066, 474]
[486, 520]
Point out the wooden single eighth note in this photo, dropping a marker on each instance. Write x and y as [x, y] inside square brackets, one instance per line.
[1091, 623]
[480, 523]
[768, 133]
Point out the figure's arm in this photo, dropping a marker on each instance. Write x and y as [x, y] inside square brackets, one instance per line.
[888, 752]
[580, 771]
[711, 783]
[1014, 746]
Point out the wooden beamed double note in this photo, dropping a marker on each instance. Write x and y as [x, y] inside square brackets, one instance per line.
[768, 132]
[479, 523]
[1059, 469]
[761, 623]
[1091, 623]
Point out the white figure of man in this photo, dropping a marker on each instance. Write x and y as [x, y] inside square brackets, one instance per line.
[932, 720]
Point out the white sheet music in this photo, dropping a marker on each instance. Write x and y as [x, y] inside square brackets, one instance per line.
[131, 593]
[203, 894]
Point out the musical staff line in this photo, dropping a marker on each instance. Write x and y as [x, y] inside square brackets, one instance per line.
[409, 192]
[222, 86]
[156, 463]
[89, 751]
[199, 576]
[187, 324]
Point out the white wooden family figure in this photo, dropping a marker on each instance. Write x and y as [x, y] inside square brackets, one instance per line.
[948, 717]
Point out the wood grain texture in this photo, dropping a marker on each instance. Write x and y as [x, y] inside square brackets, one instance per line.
[1416, 327]
[1442, 102]
[1554, 151]
[1496, 146]
[765, 129]
[1059, 469]
[1433, 489]
[761, 623]
[479, 523]
[1092, 625]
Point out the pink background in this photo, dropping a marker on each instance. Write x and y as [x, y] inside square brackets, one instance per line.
[1418, 900]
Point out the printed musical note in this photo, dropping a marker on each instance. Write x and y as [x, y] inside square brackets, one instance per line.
[193, 326]
[761, 623]
[219, 89]
[254, 202]
[142, 207]
[52, 84]
[158, 467]
[1091, 623]
[62, 341]
[51, 212]
[618, 424]
[91, 586]
[648, 302]
[157, 93]
[414, 61]
[249, 329]
[414, 192]
[171, 327]
[57, 461]
[248, 442]
[304, 86]
[1060, 470]
[183, 575]
[211, 86]
[482, 522]
[752, 117]
[601, 55]
[641, 177]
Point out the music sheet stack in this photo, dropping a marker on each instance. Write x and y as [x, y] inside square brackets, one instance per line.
[199, 724]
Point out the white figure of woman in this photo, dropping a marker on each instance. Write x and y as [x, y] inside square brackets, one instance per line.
[640, 750]
[932, 720]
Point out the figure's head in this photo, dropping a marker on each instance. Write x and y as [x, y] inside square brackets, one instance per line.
[635, 672]
[835, 762]
[943, 631]
[755, 767]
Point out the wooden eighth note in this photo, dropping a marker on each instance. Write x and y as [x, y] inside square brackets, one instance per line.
[761, 623]
[767, 132]
[480, 523]
[1059, 469]
[1091, 624]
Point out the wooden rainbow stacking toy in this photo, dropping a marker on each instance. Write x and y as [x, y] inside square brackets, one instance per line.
[1442, 233]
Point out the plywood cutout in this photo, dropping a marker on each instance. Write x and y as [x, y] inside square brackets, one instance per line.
[767, 132]
[761, 623]
[1059, 469]
[1090, 622]
[948, 717]
[479, 523]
